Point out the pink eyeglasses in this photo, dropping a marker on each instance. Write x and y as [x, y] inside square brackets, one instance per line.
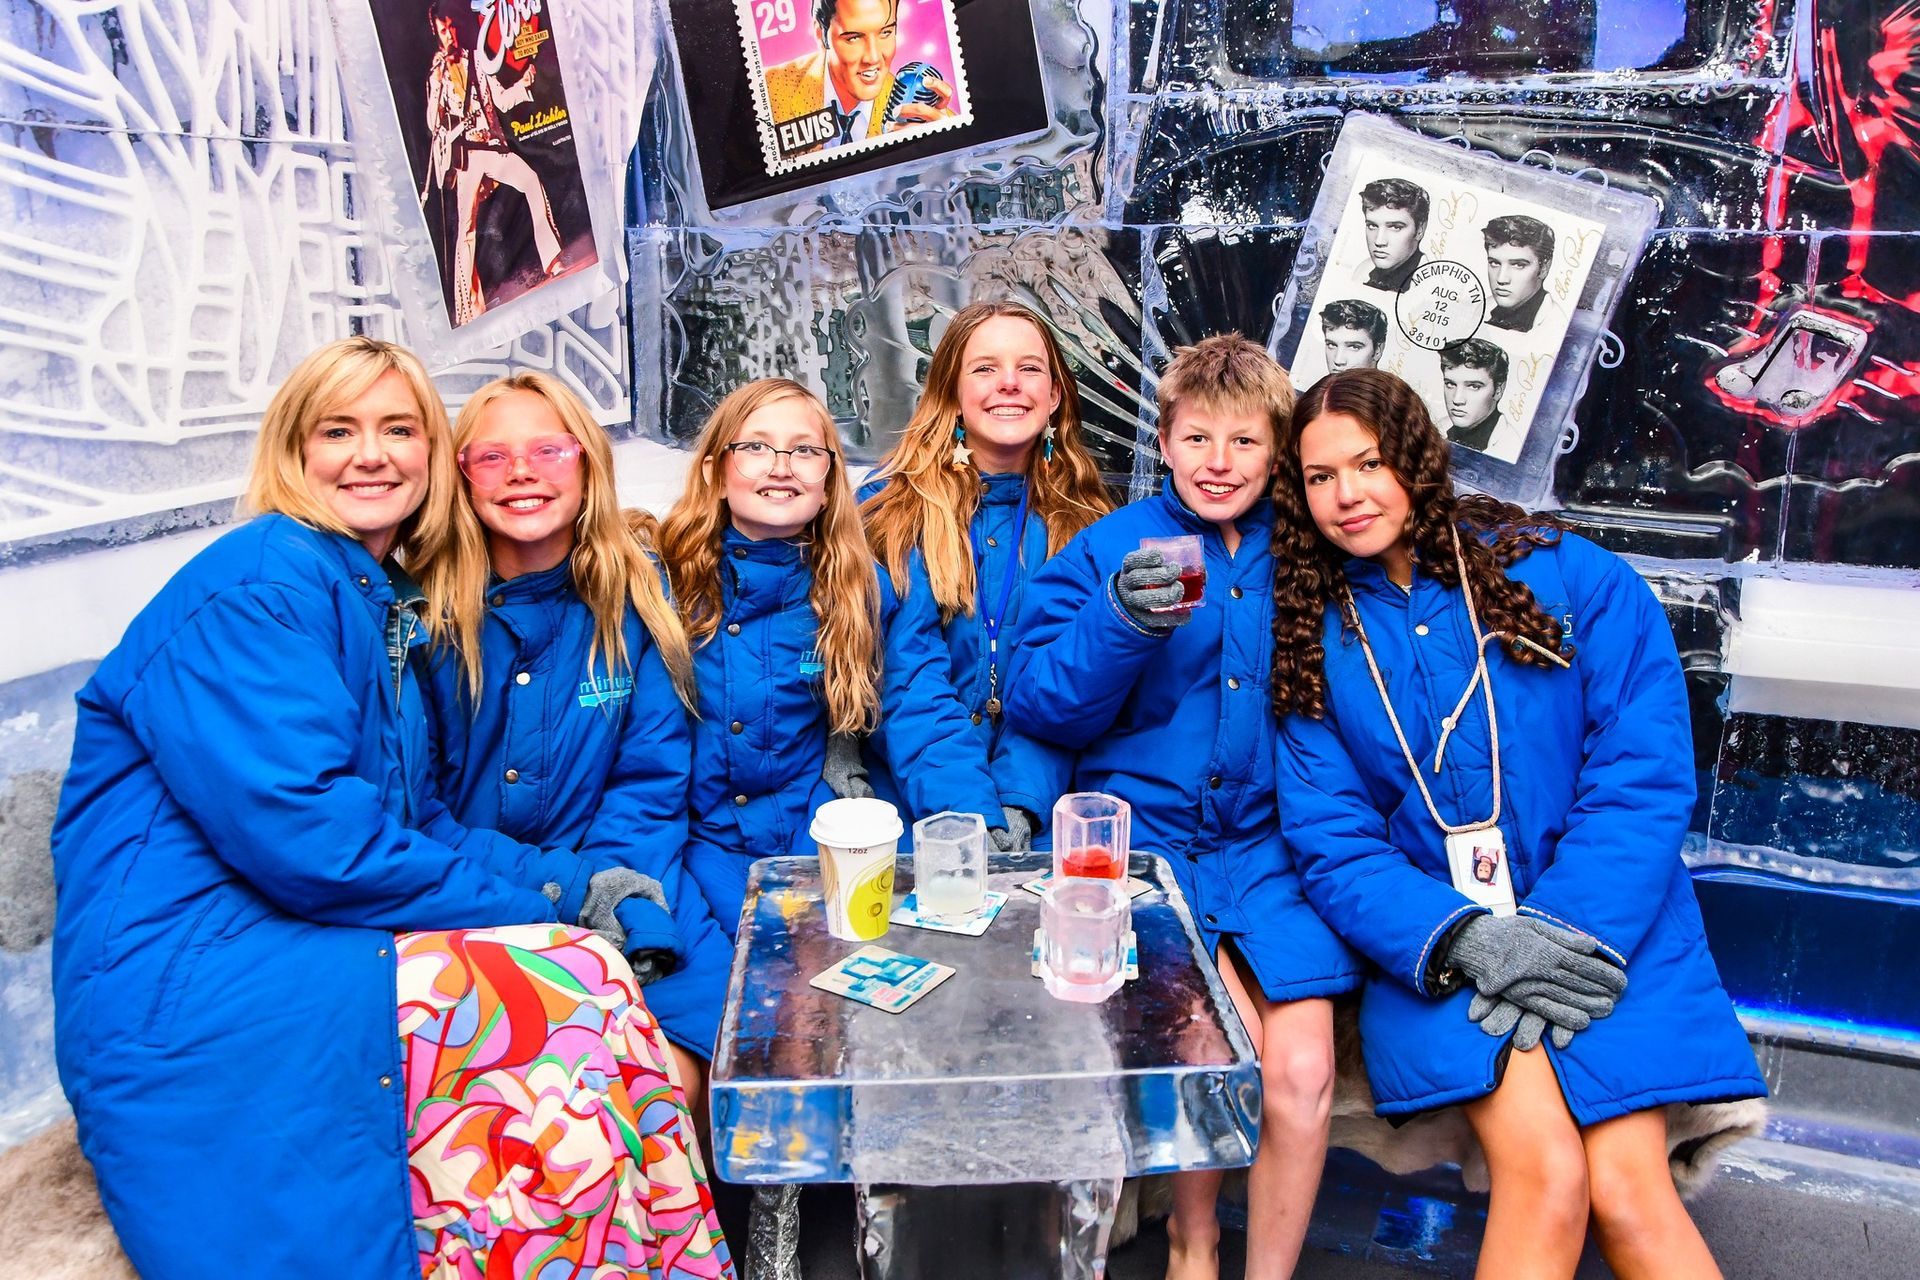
[488, 462]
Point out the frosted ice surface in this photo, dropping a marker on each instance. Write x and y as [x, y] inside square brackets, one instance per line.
[987, 1079]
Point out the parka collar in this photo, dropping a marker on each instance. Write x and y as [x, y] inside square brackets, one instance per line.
[1256, 519]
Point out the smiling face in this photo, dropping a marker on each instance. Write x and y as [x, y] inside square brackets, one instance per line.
[1350, 349]
[529, 505]
[1514, 274]
[1392, 236]
[1470, 393]
[860, 46]
[1221, 460]
[1007, 393]
[1356, 501]
[366, 460]
[778, 504]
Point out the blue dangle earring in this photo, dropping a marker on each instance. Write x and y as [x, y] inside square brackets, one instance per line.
[1046, 450]
[962, 456]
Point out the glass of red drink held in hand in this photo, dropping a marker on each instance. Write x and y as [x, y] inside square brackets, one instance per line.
[1187, 555]
[1091, 834]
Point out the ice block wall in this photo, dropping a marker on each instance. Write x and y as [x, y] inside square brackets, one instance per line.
[184, 222]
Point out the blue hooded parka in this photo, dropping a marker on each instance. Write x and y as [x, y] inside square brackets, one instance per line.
[1178, 724]
[1597, 780]
[938, 745]
[557, 754]
[761, 739]
[247, 822]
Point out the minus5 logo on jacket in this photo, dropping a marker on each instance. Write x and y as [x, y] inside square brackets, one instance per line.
[604, 691]
[810, 664]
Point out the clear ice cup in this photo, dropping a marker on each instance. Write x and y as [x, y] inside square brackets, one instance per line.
[1188, 556]
[1083, 927]
[1091, 833]
[950, 865]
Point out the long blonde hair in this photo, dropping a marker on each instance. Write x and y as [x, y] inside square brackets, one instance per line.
[329, 378]
[929, 503]
[845, 594]
[610, 565]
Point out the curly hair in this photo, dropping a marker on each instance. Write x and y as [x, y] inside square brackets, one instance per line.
[1308, 570]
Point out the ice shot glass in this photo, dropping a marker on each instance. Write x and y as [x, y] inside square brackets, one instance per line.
[950, 865]
[1083, 929]
[1188, 556]
[1091, 835]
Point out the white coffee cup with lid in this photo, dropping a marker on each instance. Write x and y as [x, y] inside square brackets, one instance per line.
[858, 839]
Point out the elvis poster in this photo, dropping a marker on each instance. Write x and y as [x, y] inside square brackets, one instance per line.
[490, 141]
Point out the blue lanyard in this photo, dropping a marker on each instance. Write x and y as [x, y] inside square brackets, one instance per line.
[992, 618]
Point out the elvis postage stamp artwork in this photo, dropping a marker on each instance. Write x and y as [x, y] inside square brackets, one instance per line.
[838, 78]
[1464, 291]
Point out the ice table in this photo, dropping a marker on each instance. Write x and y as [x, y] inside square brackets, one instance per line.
[987, 1127]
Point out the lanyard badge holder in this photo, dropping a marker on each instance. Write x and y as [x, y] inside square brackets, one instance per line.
[991, 619]
[1477, 860]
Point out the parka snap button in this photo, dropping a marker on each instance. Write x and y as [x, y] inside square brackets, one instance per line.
[1233, 682]
[497, 601]
[740, 800]
[363, 579]
[1211, 919]
[733, 628]
[1214, 782]
[513, 775]
[736, 726]
[1236, 592]
[383, 953]
[739, 553]
[386, 1082]
[992, 542]
[976, 717]
[1420, 630]
[522, 678]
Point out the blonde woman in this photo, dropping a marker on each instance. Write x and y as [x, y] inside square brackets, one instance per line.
[988, 480]
[773, 580]
[559, 695]
[246, 850]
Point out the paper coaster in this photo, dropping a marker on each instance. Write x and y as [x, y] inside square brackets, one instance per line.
[908, 913]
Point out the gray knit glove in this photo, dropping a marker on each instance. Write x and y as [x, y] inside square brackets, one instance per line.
[1534, 968]
[1147, 582]
[1015, 832]
[607, 891]
[1498, 951]
[845, 770]
[1498, 1015]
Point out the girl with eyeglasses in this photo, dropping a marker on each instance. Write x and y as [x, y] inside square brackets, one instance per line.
[776, 589]
[308, 1023]
[988, 479]
[560, 688]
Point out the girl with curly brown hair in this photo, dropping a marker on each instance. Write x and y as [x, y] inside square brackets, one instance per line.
[1485, 773]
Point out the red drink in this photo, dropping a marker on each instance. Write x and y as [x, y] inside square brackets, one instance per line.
[1095, 862]
[1192, 583]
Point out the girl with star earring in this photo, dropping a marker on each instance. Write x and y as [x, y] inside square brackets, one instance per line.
[988, 479]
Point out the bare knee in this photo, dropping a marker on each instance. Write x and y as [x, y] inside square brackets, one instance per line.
[1549, 1177]
[1631, 1202]
[1297, 1084]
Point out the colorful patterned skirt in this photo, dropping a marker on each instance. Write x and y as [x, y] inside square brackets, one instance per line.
[547, 1134]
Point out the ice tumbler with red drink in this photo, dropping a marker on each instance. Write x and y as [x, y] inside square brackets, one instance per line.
[1091, 834]
[1187, 556]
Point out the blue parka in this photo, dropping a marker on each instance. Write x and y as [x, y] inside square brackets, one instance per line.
[761, 739]
[558, 754]
[1597, 780]
[938, 747]
[1178, 724]
[248, 820]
